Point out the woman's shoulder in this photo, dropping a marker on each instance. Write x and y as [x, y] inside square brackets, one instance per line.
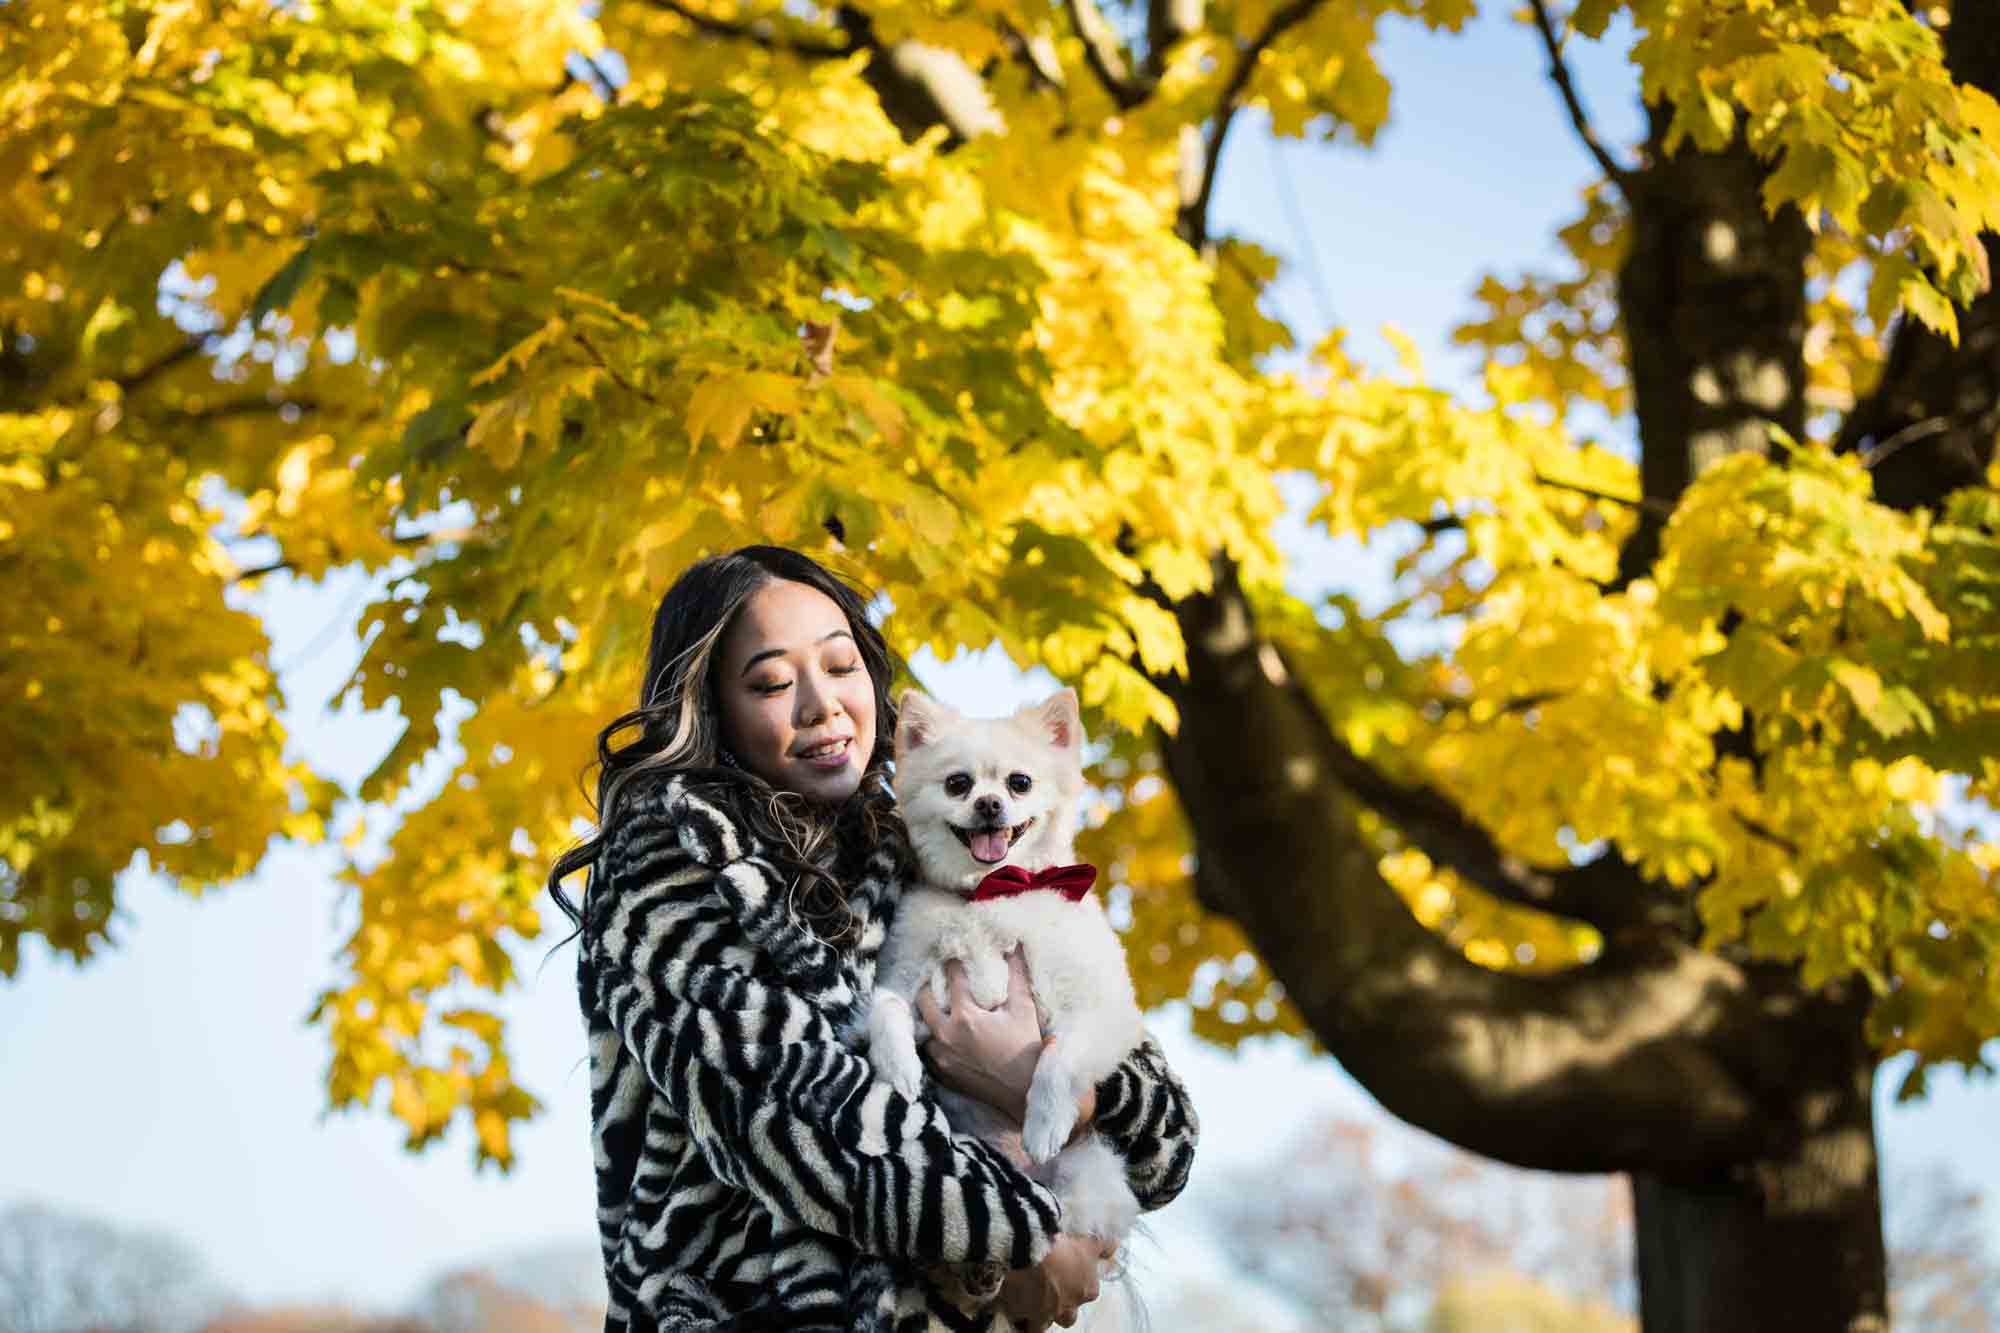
[677, 814]
[675, 853]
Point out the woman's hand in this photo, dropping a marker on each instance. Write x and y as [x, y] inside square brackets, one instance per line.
[986, 1054]
[1057, 1288]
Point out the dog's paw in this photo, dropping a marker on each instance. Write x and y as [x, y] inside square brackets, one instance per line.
[892, 1043]
[1051, 1104]
[899, 1067]
[1047, 1128]
[1043, 1137]
[989, 978]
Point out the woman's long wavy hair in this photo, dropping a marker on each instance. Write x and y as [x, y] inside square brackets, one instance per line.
[677, 729]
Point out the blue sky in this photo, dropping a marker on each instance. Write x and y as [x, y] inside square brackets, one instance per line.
[174, 1083]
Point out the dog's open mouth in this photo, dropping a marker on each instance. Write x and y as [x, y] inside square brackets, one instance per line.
[989, 845]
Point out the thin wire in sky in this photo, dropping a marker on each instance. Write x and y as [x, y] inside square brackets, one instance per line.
[1296, 215]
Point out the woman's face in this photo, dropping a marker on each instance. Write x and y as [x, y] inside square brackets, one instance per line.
[798, 705]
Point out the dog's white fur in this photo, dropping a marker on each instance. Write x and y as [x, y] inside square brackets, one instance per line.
[1083, 990]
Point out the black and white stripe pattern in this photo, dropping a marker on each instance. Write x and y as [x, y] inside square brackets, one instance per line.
[751, 1172]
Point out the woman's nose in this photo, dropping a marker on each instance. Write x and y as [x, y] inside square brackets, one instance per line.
[814, 703]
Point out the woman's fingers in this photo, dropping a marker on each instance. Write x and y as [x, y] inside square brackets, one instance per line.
[927, 1008]
[958, 989]
[959, 983]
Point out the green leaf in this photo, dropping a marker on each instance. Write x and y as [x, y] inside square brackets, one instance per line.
[1592, 17]
[278, 291]
[339, 302]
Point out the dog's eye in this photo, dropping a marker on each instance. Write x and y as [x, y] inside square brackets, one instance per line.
[958, 784]
[1018, 783]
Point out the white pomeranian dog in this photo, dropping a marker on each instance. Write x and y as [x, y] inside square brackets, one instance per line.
[991, 805]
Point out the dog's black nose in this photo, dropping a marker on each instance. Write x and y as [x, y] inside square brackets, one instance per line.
[987, 807]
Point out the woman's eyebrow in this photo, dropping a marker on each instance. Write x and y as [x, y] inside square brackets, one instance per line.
[755, 658]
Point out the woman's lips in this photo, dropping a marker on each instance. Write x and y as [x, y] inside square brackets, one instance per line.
[829, 756]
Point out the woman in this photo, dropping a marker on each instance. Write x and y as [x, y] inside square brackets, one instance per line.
[751, 1172]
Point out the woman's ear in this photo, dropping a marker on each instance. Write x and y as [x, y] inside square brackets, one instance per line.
[917, 720]
[1058, 719]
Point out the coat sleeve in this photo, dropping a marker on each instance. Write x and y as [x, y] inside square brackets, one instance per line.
[776, 1103]
[1143, 1111]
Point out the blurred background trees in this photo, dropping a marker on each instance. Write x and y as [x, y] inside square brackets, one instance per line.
[1352, 1226]
[62, 1273]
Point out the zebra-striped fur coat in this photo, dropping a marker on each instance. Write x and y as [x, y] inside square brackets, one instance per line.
[752, 1173]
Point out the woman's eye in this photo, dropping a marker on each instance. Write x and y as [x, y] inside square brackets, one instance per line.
[771, 686]
[1019, 783]
[958, 784]
[847, 670]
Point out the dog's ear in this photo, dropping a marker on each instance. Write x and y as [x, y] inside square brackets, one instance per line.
[919, 718]
[1057, 719]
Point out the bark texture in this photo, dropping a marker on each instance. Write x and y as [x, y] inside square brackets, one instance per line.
[1791, 1237]
[1713, 298]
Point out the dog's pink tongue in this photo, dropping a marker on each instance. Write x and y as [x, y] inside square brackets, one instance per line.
[989, 847]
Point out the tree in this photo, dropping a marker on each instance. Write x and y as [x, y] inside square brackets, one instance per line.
[1626, 860]
[1504, 1303]
[1944, 1276]
[1372, 1228]
[311, 1319]
[476, 1300]
[63, 1273]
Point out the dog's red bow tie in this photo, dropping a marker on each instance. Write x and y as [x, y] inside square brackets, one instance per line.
[1072, 882]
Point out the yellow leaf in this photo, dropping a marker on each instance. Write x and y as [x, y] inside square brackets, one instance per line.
[721, 405]
[881, 410]
[500, 429]
[523, 351]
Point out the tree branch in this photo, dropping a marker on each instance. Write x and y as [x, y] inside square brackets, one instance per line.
[1193, 224]
[759, 33]
[242, 407]
[1908, 435]
[1605, 892]
[192, 346]
[1036, 54]
[1106, 58]
[1624, 1053]
[1646, 504]
[1768, 834]
[246, 575]
[919, 85]
[1169, 22]
[1559, 71]
[611, 370]
[607, 90]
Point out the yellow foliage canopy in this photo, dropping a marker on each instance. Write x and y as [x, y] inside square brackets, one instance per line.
[426, 289]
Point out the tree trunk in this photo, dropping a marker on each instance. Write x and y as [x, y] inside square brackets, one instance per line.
[1929, 427]
[1789, 1241]
[1712, 297]
[1737, 1099]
